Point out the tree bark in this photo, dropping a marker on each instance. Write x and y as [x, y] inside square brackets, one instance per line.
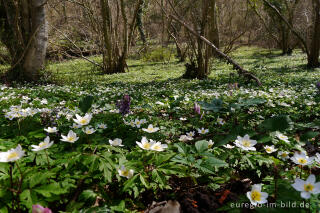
[26, 37]
[313, 59]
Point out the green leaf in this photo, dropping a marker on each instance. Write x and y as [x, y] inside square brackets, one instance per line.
[88, 195]
[130, 183]
[251, 102]
[86, 103]
[143, 181]
[216, 105]
[104, 209]
[277, 123]
[182, 148]
[216, 162]
[201, 146]
[309, 135]
[120, 207]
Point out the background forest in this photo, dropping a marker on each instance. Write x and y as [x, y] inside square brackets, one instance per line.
[160, 106]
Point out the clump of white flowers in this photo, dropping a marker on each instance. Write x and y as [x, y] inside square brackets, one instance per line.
[245, 143]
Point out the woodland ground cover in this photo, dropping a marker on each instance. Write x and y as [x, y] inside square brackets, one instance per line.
[204, 159]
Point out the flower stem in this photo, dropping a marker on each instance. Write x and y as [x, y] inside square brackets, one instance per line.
[20, 185]
[45, 151]
[11, 183]
[19, 127]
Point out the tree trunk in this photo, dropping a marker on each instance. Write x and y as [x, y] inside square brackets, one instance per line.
[313, 59]
[26, 37]
[36, 53]
[213, 34]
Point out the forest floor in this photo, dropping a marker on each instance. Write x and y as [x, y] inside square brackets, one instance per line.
[199, 162]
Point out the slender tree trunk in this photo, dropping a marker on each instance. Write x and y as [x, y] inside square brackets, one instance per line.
[313, 59]
[213, 33]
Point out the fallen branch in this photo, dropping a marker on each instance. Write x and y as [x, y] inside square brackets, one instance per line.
[236, 66]
[220, 54]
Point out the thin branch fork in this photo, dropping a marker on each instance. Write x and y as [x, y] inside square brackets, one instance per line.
[74, 44]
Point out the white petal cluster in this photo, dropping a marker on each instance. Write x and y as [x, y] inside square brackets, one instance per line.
[302, 159]
[256, 196]
[245, 143]
[307, 187]
[70, 138]
[43, 145]
[124, 172]
[116, 142]
[85, 120]
[150, 129]
[12, 154]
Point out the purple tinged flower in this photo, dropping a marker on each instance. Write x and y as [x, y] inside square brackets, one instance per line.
[196, 108]
[124, 105]
[318, 85]
[40, 209]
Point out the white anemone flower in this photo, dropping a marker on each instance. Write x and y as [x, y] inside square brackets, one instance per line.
[317, 158]
[124, 172]
[145, 144]
[85, 120]
[302, 159]
[210, 144]
[12, 154]
[43, 145]
[220, 121]
[282, 137]
[203, 131]
[190, 134]
[75, 126]
[245, 143]
[102, 126]
[307, 187]
[157, 146]
[228, 146]
[256, 196]
[138, 122]
[51, 130]
[116, 142]
[89, 130]
[70, 138]
[151, 129]
[283, 155]
[270, 149]
[185, 138]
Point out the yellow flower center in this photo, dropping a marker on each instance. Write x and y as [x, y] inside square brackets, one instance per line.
[12, 155]
[284, 155]
[256, 196]
[246, 143]
[83, 121]
[125, 172]
[150, 129]
[302, 161]
[156, 147]
[42, 144]
[268, 149]
[146, 145]
[71, 138]
[308, 187]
